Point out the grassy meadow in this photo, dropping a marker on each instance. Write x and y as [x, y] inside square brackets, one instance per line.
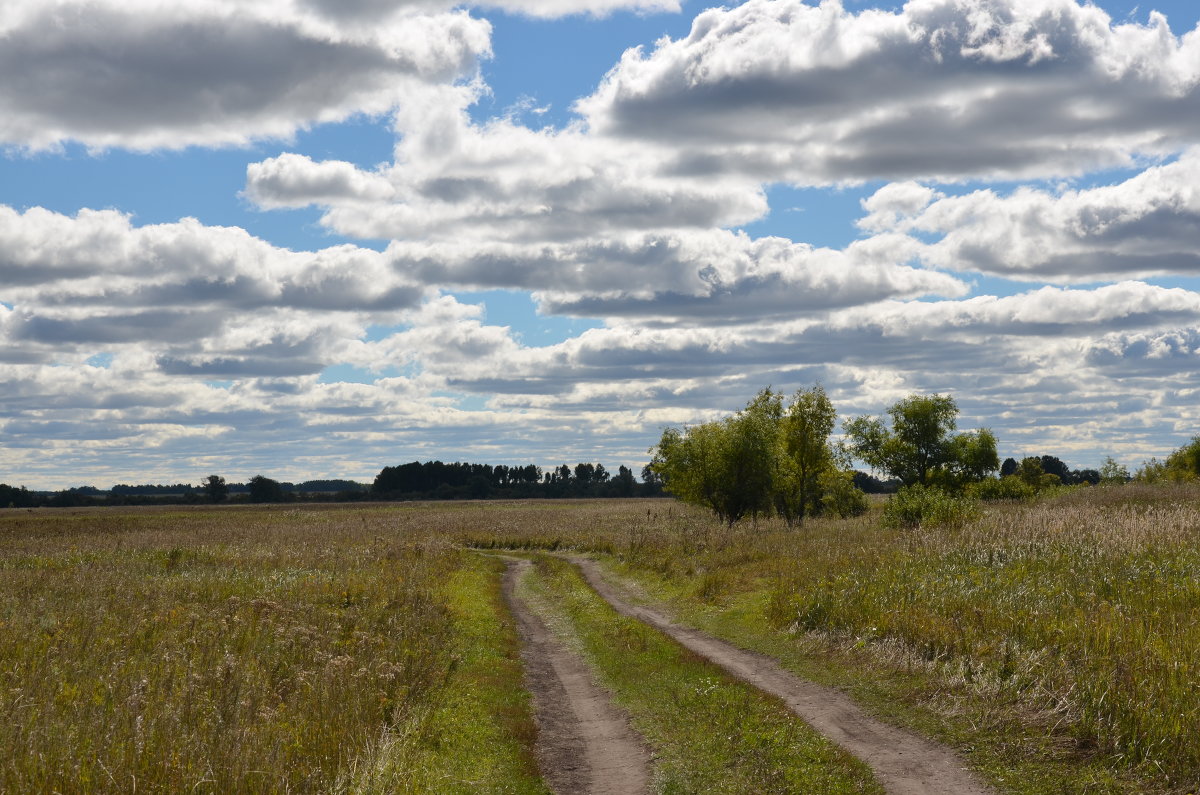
[366, 649]
[237, 650]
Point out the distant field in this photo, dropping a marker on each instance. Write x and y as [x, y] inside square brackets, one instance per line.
[365, 648]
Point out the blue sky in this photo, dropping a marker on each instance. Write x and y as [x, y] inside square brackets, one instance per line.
[311, 239]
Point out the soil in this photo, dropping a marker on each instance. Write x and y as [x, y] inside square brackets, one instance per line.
[904, 763]
[585, 744]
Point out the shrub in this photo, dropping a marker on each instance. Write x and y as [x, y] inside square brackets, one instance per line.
[1009, 487]
[917, 506]
[839, 495]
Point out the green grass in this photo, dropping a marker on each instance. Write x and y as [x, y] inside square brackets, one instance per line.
[709, 732]
[478, 735]
[247, 651]
[1054, 643]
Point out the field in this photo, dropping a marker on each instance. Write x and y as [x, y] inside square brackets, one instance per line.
[368, 649]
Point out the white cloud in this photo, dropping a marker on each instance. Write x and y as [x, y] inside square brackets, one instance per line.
[199, 300]
[125, 346]
[456, 180]
[941, 89]
[1145, 226]
[152, 74]
[707, 277]
[148, 74]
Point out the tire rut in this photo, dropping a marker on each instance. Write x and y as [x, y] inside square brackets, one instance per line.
[585, 745]
[904, 763]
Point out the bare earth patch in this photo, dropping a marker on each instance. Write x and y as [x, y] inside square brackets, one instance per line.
[585, 744]
[903, 762]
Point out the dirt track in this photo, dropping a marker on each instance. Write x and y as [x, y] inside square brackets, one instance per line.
[585, 745]
[903, 762]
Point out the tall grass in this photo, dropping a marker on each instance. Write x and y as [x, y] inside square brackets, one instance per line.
[257, 650]
[219, 650]
[1082, 609]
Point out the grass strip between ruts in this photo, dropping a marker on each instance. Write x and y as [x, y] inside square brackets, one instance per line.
[709, 732]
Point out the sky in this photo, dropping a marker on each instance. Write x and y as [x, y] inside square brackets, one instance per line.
[311, 238]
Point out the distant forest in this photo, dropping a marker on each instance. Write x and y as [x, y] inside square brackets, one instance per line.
[431, 480]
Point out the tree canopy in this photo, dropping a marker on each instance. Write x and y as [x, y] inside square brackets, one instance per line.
[920, 446]
[764, 459]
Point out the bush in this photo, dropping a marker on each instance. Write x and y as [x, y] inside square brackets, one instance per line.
[928, 506]
[1009, 487]
[840, 496]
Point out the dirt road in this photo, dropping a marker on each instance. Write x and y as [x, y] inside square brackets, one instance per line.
[903, 762]
[585, 745]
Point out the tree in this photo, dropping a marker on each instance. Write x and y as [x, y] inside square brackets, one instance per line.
[623, 484]
[1112, 473]
[804, 455]
[215, 488]
[1184, 463]
[688, 464]
[972, 458]
[760, 460]
[1009, 467]
[1031, 470]
[1053, 465]
[750, 457]
[919, 446]
[263, 489]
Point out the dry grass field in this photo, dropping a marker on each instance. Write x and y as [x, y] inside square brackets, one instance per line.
[366, 649]
[249, 650]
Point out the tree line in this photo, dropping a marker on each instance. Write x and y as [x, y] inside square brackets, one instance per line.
[430, 480]
[440, 481]
[776, 459]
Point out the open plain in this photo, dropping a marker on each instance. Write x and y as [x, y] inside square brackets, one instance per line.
[1050, 646]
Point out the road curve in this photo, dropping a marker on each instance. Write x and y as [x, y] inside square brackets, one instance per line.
[904, 763]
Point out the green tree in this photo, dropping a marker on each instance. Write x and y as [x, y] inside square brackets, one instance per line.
[920, 447]
[1181, 465]
[804, 455]
[727, 465]
[750, 457]
[1112, 473]
[689, 466]
[1184, 463]
[263, 489]
[1030, 471]
[215, 488]
[758, 461]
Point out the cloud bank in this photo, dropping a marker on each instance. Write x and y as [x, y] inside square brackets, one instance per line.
[181, 347]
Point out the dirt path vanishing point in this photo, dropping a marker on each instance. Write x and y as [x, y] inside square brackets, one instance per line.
[903, 762]
[585, 745]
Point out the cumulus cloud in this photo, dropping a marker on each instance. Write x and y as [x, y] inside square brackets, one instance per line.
[1145, 226]
[138, 341]
[148, 74]
[200, 300]
[938, 337]
[455, 179]
[940, 89]
[99, 258]
[714, 276]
